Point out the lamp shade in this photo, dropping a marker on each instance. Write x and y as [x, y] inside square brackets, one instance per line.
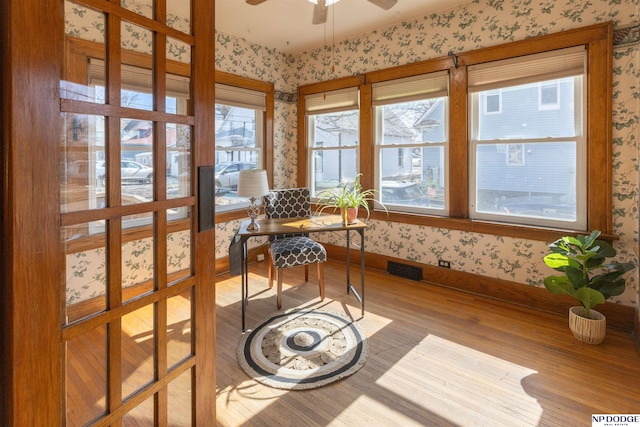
[253, 183]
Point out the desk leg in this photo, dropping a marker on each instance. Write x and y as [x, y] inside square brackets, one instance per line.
[350, 288]
[245, 281]
[362, 269]
[348, 262]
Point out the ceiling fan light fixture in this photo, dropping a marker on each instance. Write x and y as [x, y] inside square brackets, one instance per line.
[326, 3]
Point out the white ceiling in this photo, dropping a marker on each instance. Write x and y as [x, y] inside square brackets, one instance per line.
[286, 24]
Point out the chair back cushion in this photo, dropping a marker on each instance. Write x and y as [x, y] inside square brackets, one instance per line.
[288, 203]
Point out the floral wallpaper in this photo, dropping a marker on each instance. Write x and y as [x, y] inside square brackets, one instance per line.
[474, 25]
[86, 276]
[471, 26]
[89, 24]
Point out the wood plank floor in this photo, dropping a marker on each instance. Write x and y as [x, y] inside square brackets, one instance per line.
[437, 357]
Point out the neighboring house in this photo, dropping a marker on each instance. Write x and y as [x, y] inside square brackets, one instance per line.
[396, 163]
[338, 165]
[432, 129]
[336, 131]
[236, 130]
[517, 169]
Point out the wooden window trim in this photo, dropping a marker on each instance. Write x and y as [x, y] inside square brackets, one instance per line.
[303, 155]
[598, 40]
[269, 90]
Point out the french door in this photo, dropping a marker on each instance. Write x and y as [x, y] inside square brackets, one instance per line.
[138, 295]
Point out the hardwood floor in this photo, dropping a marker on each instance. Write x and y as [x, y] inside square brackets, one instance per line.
[437, 357]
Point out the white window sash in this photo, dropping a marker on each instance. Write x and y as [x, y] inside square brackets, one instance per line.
[581, 155]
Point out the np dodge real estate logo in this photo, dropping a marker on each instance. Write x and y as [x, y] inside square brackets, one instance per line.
[615, 420]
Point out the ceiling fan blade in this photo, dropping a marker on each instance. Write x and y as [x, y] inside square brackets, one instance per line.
[255, 2]
[320, 13]
[385, 4]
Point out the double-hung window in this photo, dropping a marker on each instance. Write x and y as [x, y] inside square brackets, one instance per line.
[528, 164]
[333, 138]
[411, 134]
[240, 118]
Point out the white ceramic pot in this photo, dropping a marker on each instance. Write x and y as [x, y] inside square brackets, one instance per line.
[590, 331]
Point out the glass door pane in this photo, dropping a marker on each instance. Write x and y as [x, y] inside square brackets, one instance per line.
[127, 207]
[86, 377]
[138, 349]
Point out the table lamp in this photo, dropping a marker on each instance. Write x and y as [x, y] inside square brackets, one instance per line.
[252, 183]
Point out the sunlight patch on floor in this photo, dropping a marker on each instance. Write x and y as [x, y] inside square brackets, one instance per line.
[475, 386]
[365, 411]
[257, 285]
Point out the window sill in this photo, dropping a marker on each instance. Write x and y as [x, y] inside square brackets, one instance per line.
[231, 215]
[483, 227]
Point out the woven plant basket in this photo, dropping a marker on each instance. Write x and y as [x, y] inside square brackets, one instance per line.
[590, 331]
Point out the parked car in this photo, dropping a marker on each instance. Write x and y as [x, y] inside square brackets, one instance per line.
[404, 193]
[130, 171]
[227, 175]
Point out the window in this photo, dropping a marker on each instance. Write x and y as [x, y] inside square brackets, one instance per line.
[549, 95]
[410, 120]
[493, 102]
[548, 188]
[239, 140]
[333, 123]
[526, 172]
[515, 154]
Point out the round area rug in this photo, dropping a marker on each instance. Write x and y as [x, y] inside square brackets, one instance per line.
[303, 349]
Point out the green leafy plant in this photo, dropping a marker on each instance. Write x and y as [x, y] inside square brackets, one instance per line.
[348, 196]
[587, 275]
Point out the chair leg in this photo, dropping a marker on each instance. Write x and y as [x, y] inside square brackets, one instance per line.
[279, 298]
[306, 272]
[270, 273]
[321, 279]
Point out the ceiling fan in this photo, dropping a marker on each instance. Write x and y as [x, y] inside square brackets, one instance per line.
[320, 8]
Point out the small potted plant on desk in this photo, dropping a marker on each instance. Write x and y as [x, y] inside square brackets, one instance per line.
[348, 199]
[588, 277]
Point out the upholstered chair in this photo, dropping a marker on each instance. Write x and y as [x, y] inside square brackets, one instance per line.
[292, 250]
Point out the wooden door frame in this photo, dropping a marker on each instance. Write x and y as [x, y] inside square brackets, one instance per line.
[31, 292]
[203, 95]
[31, 51]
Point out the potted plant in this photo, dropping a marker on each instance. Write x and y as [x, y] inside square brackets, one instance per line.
[588, 277]
[348, 199]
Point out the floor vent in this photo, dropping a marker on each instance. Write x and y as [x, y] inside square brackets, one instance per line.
[404, 270]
